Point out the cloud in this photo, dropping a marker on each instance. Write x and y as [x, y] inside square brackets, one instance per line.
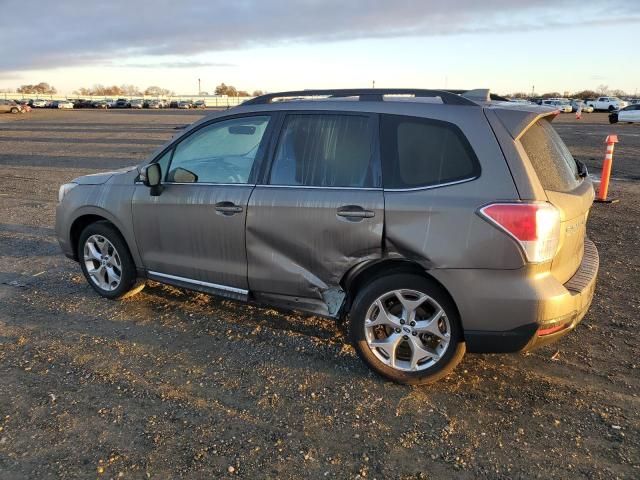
[177, 64]
[80, 32]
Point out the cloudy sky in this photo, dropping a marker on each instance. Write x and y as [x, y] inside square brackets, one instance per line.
[507, 45]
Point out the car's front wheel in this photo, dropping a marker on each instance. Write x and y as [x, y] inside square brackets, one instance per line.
[106, 262]
[406, 328]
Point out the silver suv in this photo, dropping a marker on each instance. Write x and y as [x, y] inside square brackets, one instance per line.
[433, 222]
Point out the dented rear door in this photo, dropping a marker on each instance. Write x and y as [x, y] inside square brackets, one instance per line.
[319, 212]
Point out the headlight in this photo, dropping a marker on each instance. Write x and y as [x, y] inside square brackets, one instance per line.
[64, 189]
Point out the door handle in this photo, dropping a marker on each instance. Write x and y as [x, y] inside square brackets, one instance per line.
[355, 211]
[228, 208]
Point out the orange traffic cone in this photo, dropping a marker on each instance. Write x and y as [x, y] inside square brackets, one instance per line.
[603, 190]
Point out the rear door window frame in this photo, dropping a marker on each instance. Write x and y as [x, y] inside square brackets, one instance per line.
[375, 165]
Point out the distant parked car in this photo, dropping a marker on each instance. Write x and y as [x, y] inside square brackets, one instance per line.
[9, 106]
[24, 105]
[575, 104]
[607, 103]
[82, 103]
[173, 104]
[65, 104]
[101, 104]
[38, 103]
[136, 103]
[561, 105]
[630, 114]
[122, 103]
[199, 104]
[155, 104]
[184, 104]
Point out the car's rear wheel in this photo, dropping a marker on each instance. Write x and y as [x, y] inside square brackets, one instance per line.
[14, 110]
[611, 108]
[106, 262]
[406, 328]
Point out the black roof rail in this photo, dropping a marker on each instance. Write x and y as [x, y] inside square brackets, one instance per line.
[364, 94]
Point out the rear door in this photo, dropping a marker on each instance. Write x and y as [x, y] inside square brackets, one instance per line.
[319, 211]
[572, 195]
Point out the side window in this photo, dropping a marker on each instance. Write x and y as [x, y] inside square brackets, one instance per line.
[324, 150]
[223, 152]
[419, 152]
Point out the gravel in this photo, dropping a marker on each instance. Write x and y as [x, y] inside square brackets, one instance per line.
[177, 384]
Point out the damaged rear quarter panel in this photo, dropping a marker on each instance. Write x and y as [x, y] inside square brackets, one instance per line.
[438, 227]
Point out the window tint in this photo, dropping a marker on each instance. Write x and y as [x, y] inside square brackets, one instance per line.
[324, 151]
[420, 152]
[550, 157]
[223, 152]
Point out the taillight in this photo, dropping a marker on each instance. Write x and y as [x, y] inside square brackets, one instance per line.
[535, 226]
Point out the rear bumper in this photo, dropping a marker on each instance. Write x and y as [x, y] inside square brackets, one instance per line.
[556, 312]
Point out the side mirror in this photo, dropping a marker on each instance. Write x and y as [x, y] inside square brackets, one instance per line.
[151, 176]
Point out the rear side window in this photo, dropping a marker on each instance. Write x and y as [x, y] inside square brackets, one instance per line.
[550, 157]
[419, 152]
[324, 150]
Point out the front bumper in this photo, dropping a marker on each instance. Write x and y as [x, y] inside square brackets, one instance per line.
[555, 312]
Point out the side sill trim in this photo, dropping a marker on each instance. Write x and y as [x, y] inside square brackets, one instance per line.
[215, 286]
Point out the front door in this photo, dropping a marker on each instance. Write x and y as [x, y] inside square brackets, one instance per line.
[319, 212]
[193, 233]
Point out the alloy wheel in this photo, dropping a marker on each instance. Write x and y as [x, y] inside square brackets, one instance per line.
[407, 330]
[102, 262]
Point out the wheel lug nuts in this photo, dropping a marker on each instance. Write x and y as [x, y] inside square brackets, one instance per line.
[414, 333]
[406, 337]
[397, 330]
[413, 324]
[402, 322]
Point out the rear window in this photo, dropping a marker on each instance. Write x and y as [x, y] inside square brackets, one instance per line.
[550, 157]
[419, 152]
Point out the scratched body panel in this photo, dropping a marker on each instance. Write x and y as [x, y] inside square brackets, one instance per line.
[298, 246]
[181, 233]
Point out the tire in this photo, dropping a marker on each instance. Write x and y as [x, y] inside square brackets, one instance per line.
[613, 119]
[14, 110]
[401, 367]
[611, 109]
[113, 258]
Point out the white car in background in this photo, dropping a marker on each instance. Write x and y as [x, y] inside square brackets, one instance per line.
[607, 103]
[562, 105]
[630, 114]
[137, 103]
[65, 104]
[38, 103]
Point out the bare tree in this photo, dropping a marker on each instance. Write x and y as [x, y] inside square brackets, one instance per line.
[602, 89]
[42, 87]
[156, 91]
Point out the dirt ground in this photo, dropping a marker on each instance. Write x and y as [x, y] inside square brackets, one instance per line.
[173, 384]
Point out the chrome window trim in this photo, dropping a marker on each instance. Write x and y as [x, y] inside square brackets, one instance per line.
[314, 187]
[205, 184]
[241, 291]
[431, 187]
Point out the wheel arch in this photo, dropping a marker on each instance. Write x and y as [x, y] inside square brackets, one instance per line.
[89, 216]
[362, 274]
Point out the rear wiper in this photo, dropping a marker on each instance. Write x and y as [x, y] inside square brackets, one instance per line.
[582, 169]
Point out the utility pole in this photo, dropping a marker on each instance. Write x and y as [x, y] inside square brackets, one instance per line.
[199, 89]
[374, 84]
